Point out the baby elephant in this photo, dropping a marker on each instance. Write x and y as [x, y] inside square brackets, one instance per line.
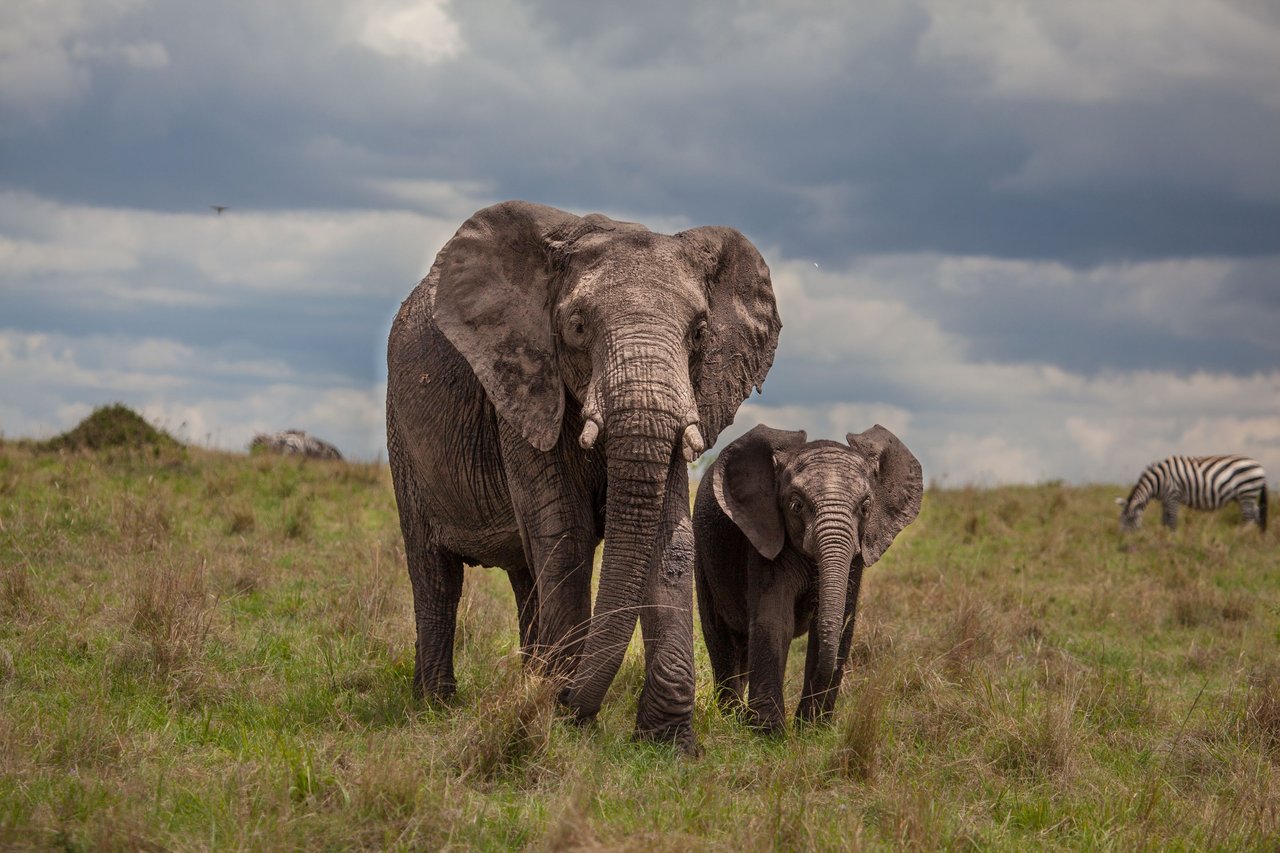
[784, 528]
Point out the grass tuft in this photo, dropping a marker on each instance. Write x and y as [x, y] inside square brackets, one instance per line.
[967, 639]
[1262, 709]
[172, 613]
[512, 731]
[857, 752]
[16, 595]
[1038, 744]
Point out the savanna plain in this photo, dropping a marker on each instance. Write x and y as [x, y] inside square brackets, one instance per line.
[210, 650]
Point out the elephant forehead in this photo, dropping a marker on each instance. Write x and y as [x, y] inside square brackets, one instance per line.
[641, 268]
[826, 470]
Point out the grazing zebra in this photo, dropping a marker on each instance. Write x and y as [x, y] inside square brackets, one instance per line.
[1200, 482]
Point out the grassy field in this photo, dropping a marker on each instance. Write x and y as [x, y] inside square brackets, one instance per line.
[202, 650]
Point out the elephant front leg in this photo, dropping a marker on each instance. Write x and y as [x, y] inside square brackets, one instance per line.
[666, 623]
[818, 699]
[557, 532]
[772, 629]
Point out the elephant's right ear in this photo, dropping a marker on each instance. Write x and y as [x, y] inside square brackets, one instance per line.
[493, 301]
[745, 481]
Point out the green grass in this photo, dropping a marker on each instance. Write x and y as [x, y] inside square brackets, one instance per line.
[207, 650]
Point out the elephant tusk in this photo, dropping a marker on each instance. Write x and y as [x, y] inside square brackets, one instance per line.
[590, 430]
[693, 444]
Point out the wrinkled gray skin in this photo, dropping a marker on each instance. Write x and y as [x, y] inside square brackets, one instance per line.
[784, 529]
[546, 384]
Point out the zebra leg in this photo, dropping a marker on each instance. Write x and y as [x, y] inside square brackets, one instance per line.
[1249, 511]
[1169, 515]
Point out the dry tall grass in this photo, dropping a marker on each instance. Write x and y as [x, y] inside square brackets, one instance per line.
[209, 651]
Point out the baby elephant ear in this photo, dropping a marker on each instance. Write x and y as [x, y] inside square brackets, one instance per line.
[746, 485]
[896, 489]
[493, 302]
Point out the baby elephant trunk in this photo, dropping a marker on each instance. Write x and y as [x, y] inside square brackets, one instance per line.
[835, 538]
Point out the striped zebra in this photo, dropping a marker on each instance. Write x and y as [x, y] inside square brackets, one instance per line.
[294, 442]
[1200, 482]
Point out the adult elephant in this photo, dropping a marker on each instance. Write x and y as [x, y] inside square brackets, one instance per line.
[547, 382]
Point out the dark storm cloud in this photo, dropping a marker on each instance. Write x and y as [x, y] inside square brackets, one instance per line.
[821, 130]
[986, 221]
[1177, 314]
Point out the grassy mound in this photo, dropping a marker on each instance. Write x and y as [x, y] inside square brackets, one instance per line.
[112, 426]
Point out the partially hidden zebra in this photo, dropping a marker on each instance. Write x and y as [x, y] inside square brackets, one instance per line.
[1200, 482]
[294, 442]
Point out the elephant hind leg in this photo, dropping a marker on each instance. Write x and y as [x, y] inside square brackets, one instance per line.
[526, 595]
[434, 573]
[436, 577]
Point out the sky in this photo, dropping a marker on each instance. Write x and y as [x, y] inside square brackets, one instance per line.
[1037, 240]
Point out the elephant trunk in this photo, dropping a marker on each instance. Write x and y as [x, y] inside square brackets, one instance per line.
[834, 547]
[647, 418]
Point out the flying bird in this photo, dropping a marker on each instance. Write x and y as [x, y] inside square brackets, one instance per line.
[218, 208]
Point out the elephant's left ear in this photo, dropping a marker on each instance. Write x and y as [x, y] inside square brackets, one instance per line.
[897, 486]
[746, 485]
[743, 324]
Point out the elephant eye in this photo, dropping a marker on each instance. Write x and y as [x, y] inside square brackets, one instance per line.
[866, 504]
[795, 506]
[576, 329]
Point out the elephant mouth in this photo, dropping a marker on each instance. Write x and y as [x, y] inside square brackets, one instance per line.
[691, 441]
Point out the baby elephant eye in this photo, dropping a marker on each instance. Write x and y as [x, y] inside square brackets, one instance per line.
[866, 504]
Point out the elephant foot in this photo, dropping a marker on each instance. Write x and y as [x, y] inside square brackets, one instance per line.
[812, 713]
[434, 691]
[569, 712]
[765, 726]
[680, 736]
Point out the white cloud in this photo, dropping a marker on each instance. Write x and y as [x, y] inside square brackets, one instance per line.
[967, 459]
[832, 422]
[100, 251]
[977, 420]
[1106, 50]
[417, 30]
[865, 329]
[201, 395]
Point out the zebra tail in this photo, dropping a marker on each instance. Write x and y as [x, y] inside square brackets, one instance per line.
[1262, 507]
